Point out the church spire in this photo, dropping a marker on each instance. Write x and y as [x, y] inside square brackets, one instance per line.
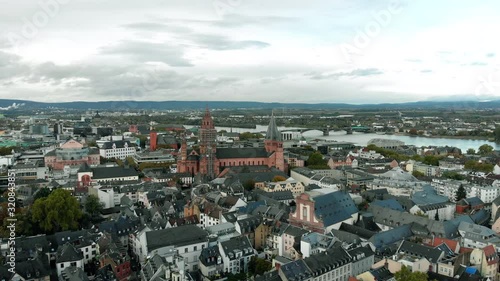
[272, 130]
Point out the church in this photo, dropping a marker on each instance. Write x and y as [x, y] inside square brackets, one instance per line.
[208, 160]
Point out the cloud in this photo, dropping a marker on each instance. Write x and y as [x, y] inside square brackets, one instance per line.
[11, 66]
[477, 63]
[352, 74]
[221, 43]
[426, 71]
[490, 55]
[158, 27]
[208, 41]
[112, 82]
[142, 51]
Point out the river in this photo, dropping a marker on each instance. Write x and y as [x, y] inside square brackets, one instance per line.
[362, 139]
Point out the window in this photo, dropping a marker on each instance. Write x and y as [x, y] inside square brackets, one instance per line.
[185, 250]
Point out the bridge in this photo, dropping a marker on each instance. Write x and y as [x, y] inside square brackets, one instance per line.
[326, 130]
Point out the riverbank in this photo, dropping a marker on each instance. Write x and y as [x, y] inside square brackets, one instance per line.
[446, 137]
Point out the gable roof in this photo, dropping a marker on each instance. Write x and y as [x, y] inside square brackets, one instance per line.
[334, 207]
[389, 203]
[452, 244]
[177, 236]
[245, 152]
[386, 238]
[118, 144]
[113, 172]
[296, 271]
[237, 244]
[490, 254]
[68, 253]
[333, 257]
[433, 255]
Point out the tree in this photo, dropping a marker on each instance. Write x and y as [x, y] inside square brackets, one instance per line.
[130, 161]
[417, 174]
[7, 150]
[405, 274]
[59, 211]
[497, 134]
[453, 175]
[461, 193]
[432, 160]
[485, 149]
[93, 206]
[249, 184]
[42, 193]
[471, 151]
[476, 166]
[258, 266]
[279, 178]
[316, 160]
[413, 132]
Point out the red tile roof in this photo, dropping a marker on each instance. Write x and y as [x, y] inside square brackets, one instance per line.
[452, 244]
[490, 254]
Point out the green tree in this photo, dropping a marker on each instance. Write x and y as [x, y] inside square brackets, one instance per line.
[417, 174]
[432, 160]
[258, 266]
[485, 149]
[471, 151]
[130, 161]
[475, 166]
[453, 175]
[461, 193]
[249, 184]
[405, 274]
[93, 206]
[497, 134]
[42, 193]
[248, 135]
[59, 211]
[316, 159]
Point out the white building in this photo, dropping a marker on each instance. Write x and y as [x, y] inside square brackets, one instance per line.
[117, 149]
[236, 254]
[67, 255]
[186, 240]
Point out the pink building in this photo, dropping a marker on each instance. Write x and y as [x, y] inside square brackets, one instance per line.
[72, 153]
[319, 212]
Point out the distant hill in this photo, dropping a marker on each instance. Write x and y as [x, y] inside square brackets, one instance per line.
[181, 105]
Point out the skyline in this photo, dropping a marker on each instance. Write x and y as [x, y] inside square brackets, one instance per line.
[237, 50]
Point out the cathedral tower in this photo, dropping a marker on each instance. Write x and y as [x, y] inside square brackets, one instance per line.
[208, 142]
[274, 145]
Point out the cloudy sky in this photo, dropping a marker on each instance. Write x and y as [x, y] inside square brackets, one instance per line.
[355, 51]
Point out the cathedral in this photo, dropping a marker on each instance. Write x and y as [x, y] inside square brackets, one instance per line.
[208, 160]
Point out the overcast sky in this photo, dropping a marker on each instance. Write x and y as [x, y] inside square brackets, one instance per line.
[355, 51]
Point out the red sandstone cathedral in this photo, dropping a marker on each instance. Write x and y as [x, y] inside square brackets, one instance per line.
[209, 160]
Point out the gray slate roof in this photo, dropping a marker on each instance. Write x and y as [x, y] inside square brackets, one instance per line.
[113, 172]
[334, 207]
[272, 131]
[68, 253]
[433, 255]
[177, 236]
[246, 152]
